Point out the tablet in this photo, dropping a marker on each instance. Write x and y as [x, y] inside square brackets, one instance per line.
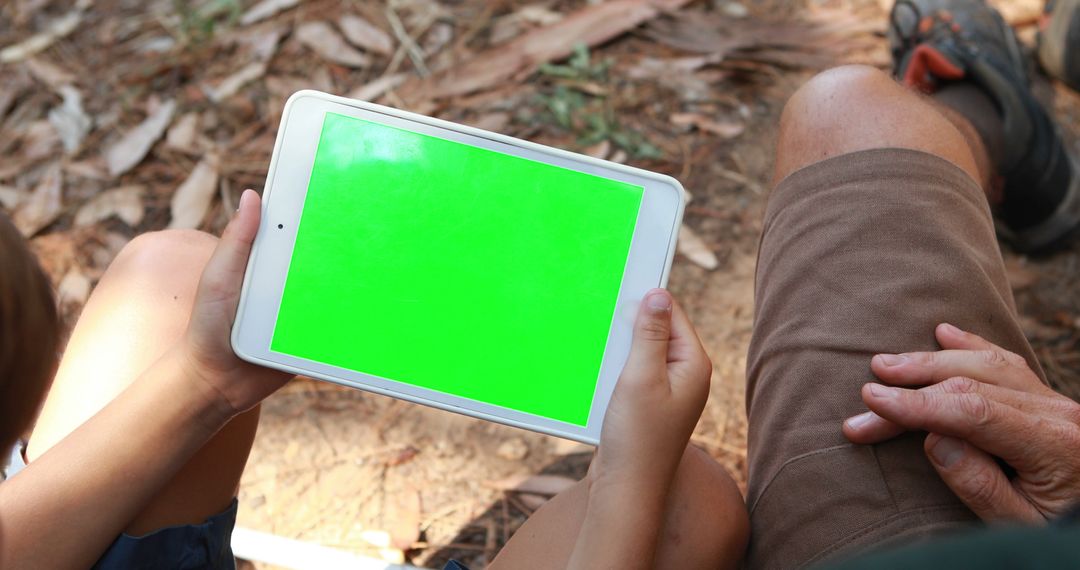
[450, 266]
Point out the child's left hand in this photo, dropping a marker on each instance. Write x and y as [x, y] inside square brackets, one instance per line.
[657, 401]
[206, 347]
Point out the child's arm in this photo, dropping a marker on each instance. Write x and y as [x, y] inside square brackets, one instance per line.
[653, 411]
[68, 505]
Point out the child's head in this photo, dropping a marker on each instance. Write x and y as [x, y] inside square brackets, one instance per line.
[29, 335]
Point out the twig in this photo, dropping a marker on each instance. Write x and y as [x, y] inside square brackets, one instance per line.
[415, 53]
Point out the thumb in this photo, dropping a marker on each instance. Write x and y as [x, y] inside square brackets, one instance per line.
[652, 332]
[978, 481]
[224, 272]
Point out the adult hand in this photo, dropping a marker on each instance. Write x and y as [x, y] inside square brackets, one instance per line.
[658, 399]
[979, 401]
[206, 345]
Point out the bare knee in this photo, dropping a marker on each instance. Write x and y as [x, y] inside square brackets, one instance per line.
[707, 524]
[173, 255]
[856, 107]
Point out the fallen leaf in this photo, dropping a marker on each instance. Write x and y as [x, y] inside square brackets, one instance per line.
[43, 205]
[36, 43]
[192, 199]
[532, 501]
[92, 168]
[513, 449]
[9, 197]
[74, 288]
[494, 122]
[124, 202]
[375, 89]
[133, 146]
[182, 134]
[591, 25]
[695, 249]
[40, 140]
[1019, 274]
[509, 27]
[723, 129]
[364, 34]
[599, 150]
[69, 119]
[232, 84]
[49, 73]
[537, 484]
[328, 44]
[265, 9]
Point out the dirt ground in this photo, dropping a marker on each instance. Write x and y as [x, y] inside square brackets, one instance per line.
[694, 91]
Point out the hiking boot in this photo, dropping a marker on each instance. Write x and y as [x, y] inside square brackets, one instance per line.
[936, 42]
[1059, 41]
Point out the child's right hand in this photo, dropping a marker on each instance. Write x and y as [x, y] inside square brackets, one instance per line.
[657, 401]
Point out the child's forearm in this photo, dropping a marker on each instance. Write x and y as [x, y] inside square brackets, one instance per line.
[621, 526]
[67, 506]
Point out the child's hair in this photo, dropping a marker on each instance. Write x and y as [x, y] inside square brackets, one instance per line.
[29, 335]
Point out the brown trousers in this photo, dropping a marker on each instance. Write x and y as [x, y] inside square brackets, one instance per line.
[861, 254]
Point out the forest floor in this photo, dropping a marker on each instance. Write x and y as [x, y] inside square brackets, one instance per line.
[126, 117]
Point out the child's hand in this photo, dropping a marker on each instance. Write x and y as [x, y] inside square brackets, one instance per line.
[657, 401]
[205, 347]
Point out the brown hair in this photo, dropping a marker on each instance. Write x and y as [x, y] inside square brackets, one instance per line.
[29, 335]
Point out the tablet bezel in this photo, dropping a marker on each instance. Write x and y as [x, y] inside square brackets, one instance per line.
[648, 263]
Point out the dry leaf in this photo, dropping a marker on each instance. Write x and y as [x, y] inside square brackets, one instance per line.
[723, 129]
[532, 501]
[40, 140]
[49, 73]
[59, 28]
[328, 44]
[192, 199]
[375, 89]
[92, 168]
[69, 119]
[9, 197]
[125, 202]
[1020, 276]
[364, 34]
[182, 134]
[43, 205]
[536, 484]
[513, 449]
[695, 249]
[591, 25]
[599, 150]
[232, 84]
[133, 146]
[265, 9]
[74, 288]
[495, 122]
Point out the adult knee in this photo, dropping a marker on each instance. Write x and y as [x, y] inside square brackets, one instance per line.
[856, 107]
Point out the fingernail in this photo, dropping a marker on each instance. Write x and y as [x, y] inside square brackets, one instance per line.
[240, 204]
[947, 451]
[946, 327]
[856, 422]
[879, 391]
[892, 359]
[658, 300]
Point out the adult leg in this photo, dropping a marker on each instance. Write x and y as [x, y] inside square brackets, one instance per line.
[878, 230]
[705, 523]
[138, 310]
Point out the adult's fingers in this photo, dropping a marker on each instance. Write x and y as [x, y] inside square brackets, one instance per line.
[869, 427]
[994, 427]
[993, 366]
[652, 334]
[951, 337]
[977, 480]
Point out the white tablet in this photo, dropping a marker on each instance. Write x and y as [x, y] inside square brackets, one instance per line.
[451, 266]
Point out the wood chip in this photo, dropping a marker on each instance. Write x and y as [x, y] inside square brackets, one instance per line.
[591, 25]
[265, 9]
[321, 38]
[695, 249]
[536, 484]
[43, 205]
[192, 199]
[726, 129]
[69, 119]
[365, 35]
[74, 288]
[133, 146]
[124, 202]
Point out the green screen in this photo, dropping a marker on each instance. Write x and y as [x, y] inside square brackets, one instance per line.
[456, 268]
